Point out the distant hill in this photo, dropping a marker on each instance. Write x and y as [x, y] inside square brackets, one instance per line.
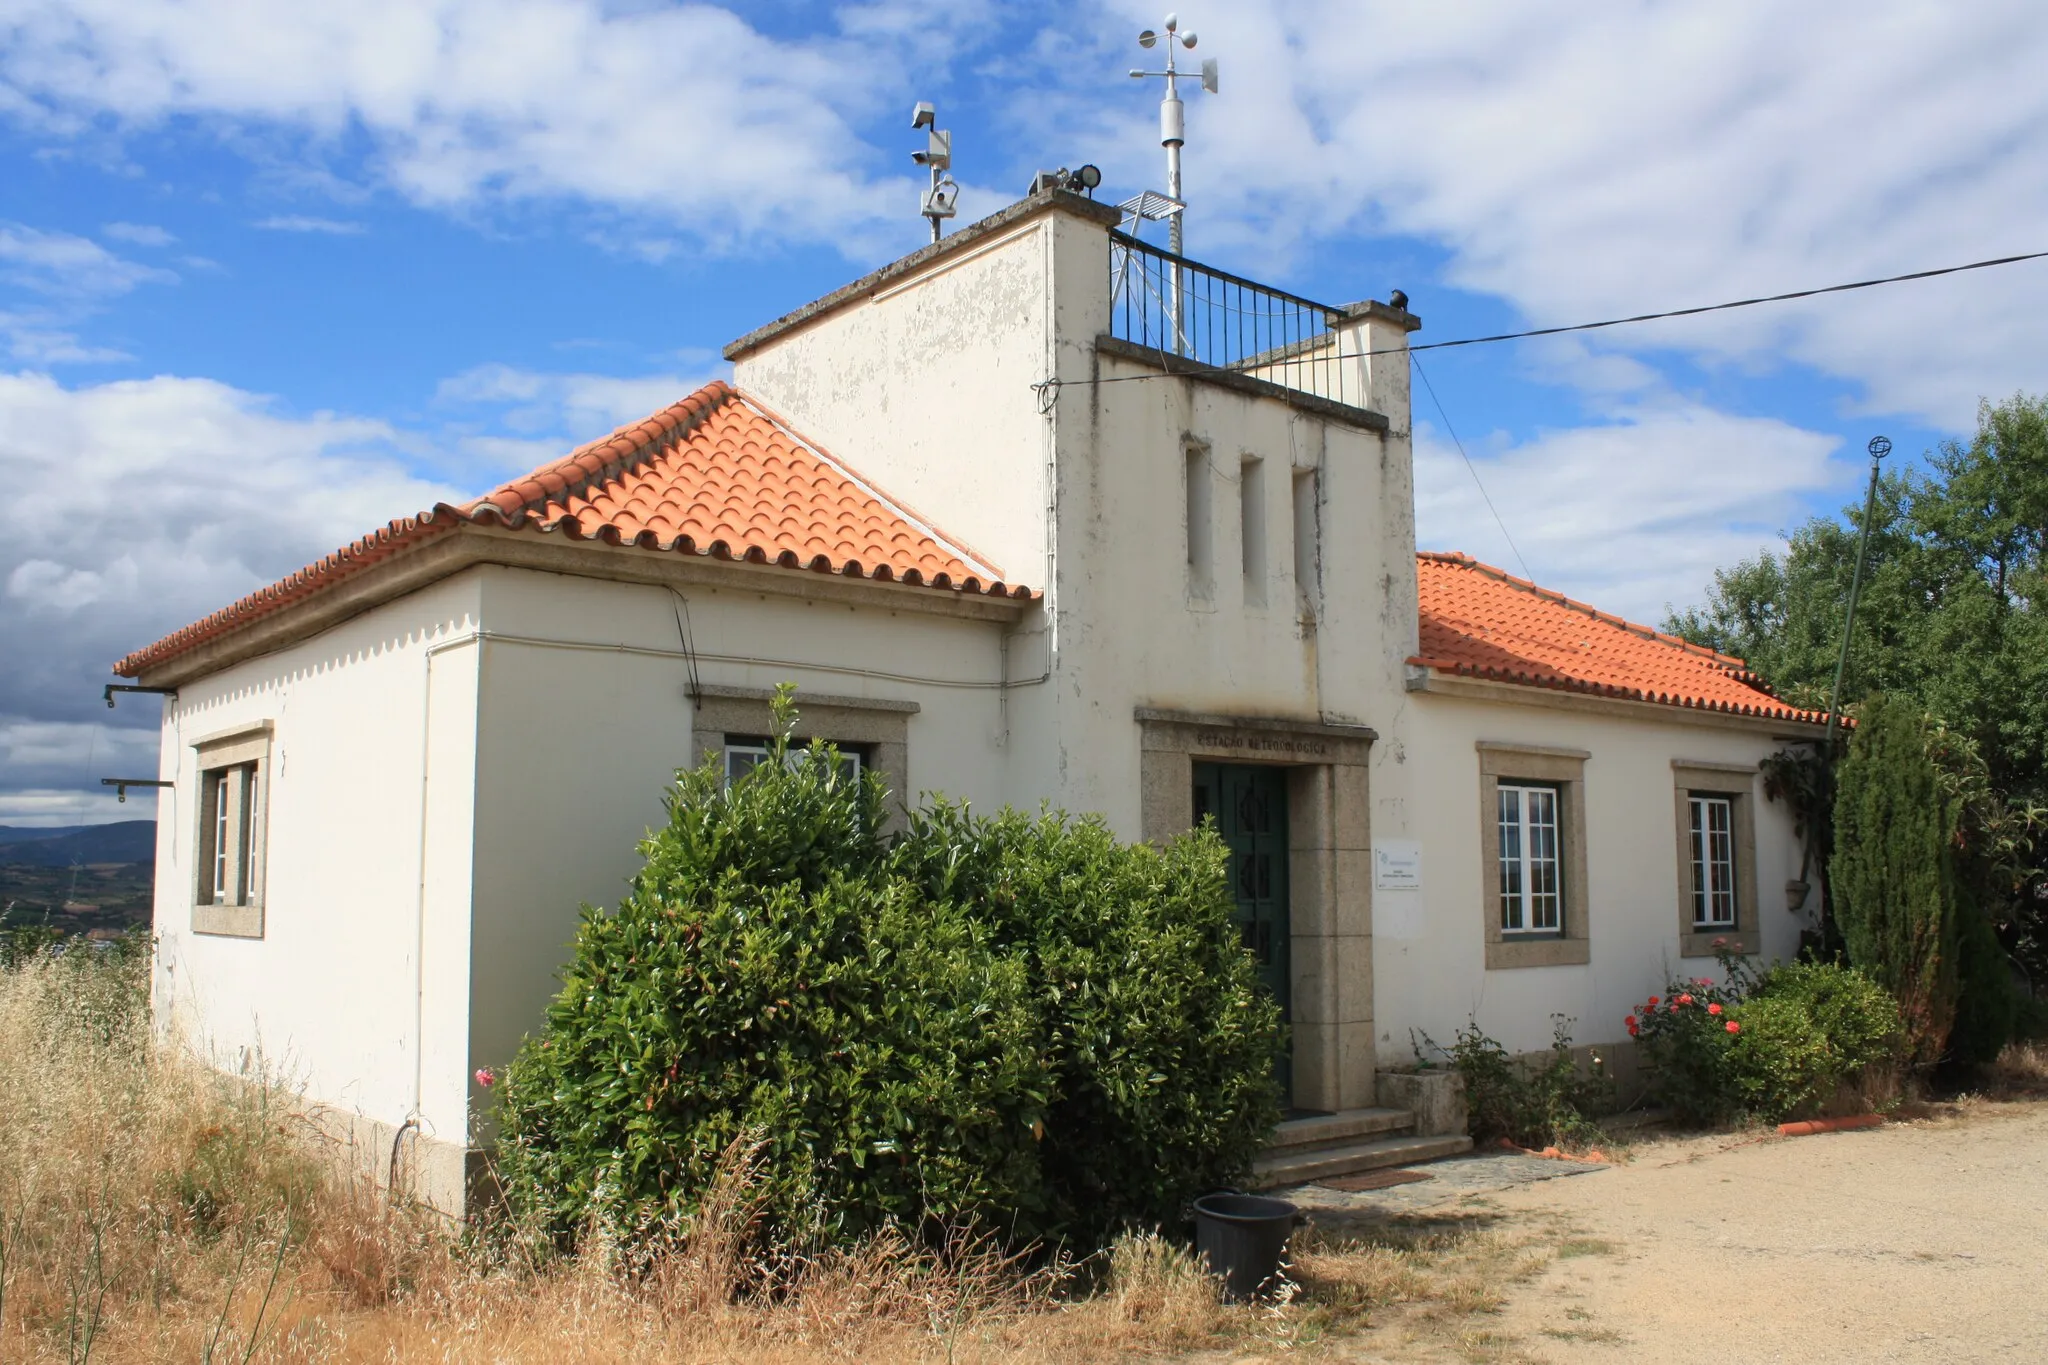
[123, 841]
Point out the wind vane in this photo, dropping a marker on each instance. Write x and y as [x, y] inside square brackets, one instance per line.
[1172, 130]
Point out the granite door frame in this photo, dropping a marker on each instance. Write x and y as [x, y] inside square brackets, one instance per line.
[1329, 869]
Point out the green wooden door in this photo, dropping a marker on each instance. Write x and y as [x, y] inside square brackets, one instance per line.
[1249, 805]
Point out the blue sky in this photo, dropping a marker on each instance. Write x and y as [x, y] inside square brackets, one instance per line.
[271, 274]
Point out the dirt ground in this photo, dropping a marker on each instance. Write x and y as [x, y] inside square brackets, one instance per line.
[1920, 1241]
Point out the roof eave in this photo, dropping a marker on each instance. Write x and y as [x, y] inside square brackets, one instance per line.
[451, 549]
[1770, 717]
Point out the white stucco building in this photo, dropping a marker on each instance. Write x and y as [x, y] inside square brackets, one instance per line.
[1034, 514]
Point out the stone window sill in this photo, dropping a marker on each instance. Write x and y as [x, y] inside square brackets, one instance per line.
[1537, 952]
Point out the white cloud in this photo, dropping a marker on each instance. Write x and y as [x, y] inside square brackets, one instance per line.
[296, 222]
[1591, 161]
[685, 114]
[68, 266]
[141, 505]
[506, 420]
[1633, 513]
[138, 234]
[66, 279]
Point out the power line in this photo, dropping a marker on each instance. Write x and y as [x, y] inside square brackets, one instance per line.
[1431, 390]
[1723, 307]
[1593, 326]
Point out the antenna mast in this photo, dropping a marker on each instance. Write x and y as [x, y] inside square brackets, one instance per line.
[1173, 128]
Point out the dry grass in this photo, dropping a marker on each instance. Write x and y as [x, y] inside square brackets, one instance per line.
[152, 1209]
[2021, 1069]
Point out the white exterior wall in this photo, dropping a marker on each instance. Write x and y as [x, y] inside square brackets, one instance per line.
[1429, 945]
[335, 992]
[579, 745]
[924, 386]
[1134, 630]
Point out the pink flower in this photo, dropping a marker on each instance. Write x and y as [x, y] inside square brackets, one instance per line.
[485, 1077]
[1734, 1027]
[1720, 943]
[1685, 1000]
[1713, 1009]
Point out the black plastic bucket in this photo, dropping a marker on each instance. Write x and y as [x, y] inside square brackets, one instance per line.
[1242, 1236]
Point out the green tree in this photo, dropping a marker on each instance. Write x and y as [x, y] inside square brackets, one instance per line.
[1954, 616]
[1894, 886]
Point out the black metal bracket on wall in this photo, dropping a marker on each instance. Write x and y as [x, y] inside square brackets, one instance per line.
[122, 784]
[112, 688]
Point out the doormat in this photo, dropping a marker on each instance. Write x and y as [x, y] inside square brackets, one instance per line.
[1372, 1180]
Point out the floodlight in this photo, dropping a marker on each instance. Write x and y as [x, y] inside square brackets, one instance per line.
[1088, 177]
[1147, 38]
[922, 115]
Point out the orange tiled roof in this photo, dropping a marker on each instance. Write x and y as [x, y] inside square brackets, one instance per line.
[1480, 622]
[714, 474]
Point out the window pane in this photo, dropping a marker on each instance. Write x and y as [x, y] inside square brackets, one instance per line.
[249, 835]
[741, 759]
[1545, 898]
[1712, 840]
[221, 808]
[1510, 858]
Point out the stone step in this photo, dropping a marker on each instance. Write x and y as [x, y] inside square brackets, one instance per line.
[1336, 1130]
[1304, 1167]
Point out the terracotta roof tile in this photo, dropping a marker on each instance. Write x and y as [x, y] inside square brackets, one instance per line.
[715, 474]
[1478, 621]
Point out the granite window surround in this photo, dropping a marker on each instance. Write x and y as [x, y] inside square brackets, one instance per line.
[227, 882]
[1737, 783]
[1565, 770]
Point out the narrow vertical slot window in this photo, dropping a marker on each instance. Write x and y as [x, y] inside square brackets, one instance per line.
[1251, 486]
[1306, 550]
[1200, 555]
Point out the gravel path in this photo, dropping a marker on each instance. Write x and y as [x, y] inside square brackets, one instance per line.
[1923, 1241]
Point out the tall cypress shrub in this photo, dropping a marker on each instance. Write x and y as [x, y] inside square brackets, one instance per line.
[1891, 873]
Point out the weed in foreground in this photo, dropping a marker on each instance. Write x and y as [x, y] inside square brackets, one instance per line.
[154, 1209]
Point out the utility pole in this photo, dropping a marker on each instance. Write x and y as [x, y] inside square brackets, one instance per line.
[1879, 447]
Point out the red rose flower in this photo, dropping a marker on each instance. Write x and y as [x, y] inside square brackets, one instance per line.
[1713, 1009]
[1685, 1000]
[1654, 1000]
[1734, 1027]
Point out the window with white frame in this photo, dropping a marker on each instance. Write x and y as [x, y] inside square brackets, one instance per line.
[230, 835]
[1712, 836]
[744, 754]
[1531, 862]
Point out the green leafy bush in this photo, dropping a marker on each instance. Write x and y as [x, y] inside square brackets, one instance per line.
[1158, 1043]
[1016, 1023]
[1769, 1046]
[1537, 1100]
